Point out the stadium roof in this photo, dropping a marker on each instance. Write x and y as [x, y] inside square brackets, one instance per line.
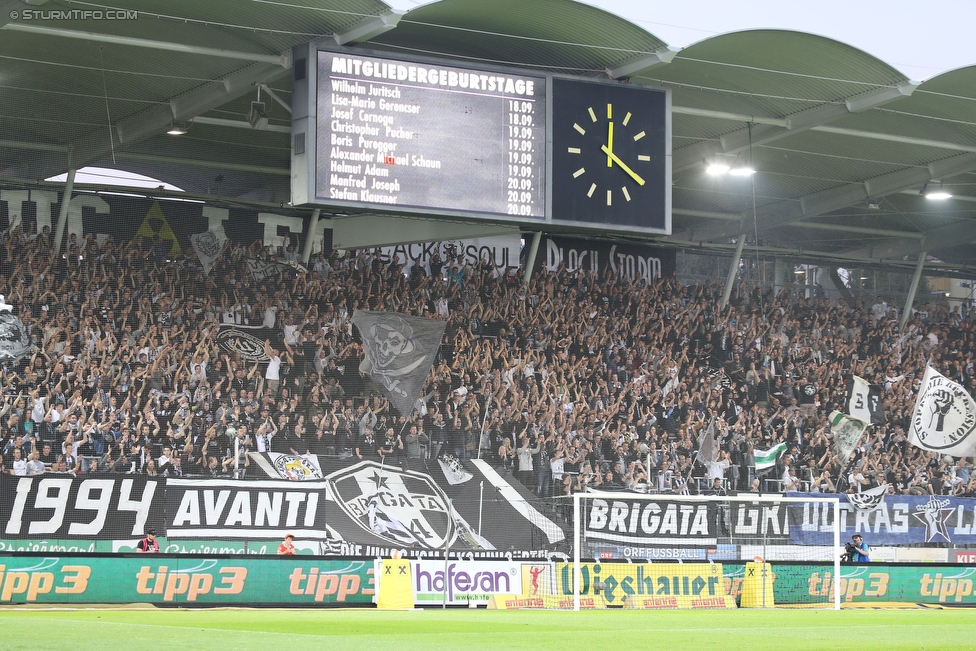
[844, 143]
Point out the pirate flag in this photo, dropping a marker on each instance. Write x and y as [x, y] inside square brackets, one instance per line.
[399, 350]
[15, 341]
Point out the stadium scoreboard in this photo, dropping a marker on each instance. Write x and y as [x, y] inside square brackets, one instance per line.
[373, 133]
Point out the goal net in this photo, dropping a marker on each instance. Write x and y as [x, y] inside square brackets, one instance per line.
[672, 551]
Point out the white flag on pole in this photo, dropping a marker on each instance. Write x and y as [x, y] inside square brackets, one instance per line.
[944, 417]
[208, 247]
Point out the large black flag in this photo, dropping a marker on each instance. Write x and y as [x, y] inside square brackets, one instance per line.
[398, 353]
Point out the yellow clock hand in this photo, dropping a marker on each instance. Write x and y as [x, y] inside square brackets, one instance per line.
[610, 143]
[623, 166]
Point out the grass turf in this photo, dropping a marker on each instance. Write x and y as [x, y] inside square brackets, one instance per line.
[458, 630]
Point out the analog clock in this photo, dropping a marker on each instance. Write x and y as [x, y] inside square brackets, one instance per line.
[609, 155]
[600, 145]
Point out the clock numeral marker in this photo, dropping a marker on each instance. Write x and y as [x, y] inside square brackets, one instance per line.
[574, 150]
[591, 190]
[609, 111]
[580, 129]
[609, 197]
[640, 135]
[579, 172]
[626, 194]
[627, 118]
[644, 158]
[592, 114]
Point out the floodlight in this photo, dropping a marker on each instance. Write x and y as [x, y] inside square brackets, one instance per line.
[933, 190]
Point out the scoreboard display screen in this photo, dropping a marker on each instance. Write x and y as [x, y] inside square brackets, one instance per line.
[424, 136]
[374, 133]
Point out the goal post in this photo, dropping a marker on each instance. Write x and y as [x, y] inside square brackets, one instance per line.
[737, 530]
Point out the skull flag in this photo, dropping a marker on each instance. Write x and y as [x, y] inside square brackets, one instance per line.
[15, 341]
[398, 352]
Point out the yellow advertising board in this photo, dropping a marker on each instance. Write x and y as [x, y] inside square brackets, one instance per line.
[627, 585]
[396, 589]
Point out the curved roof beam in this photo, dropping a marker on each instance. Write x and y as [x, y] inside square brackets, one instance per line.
[368, 28]
[155, 119]
[935, 239]
[737, 141]
[781, 213]
[282, 60]
[9, 6]
[641, 65]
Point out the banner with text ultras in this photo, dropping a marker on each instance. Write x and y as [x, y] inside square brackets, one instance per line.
[897, 520]
[637, 585]
[630, 261]
[796, 583]
[191, 580]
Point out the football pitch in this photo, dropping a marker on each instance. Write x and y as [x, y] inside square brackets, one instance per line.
[37, 629]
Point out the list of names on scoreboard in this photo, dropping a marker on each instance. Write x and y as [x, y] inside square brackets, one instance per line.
[423, 136]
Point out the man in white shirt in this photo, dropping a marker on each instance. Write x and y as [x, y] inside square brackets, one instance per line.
[18, 465]
[716, 469]
[272, 376]
[34, 465]
[270, 315]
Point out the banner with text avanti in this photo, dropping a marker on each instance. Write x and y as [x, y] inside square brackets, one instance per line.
[359, 508]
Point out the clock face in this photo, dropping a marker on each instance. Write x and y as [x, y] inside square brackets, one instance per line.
[609, 155]
[601, 144]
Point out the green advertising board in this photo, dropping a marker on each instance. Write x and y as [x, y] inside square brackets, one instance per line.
[796, 583]
[196, 579]
[166, 546]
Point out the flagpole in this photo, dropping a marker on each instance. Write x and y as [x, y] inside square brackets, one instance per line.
[843, 475]
[447, 550]
[484, 422]
[481, 506]
[403, 452]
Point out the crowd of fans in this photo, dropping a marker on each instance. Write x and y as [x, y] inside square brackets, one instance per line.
[572, 381]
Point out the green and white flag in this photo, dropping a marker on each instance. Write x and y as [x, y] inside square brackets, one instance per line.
[846, 432]
[766, 459]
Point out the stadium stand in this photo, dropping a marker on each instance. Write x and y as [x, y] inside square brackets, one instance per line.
[574, 382]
